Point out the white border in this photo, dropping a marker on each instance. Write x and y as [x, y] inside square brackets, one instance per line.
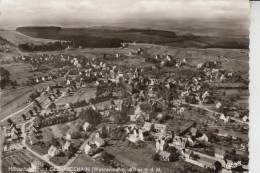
[254, 100]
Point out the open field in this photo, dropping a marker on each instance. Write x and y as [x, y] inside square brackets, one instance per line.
[82, 94]
[20, 71]
[17, 38]
[87, 161]
[20, 159]
[15, 99]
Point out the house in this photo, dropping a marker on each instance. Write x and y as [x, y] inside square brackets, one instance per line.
[14, 134]
[218, 105]
[203, 138]
[179, 142]
[193, 131]
[99, 142]
[66, 146]
[160, 128]
[232, 165]
[165, 156]
[133, 138]
[135, 135]
[86, 126]
[52, 106]
[68, 137]
[147, 126]
[87, 149]
[160, 145]
[224, 118]
[36, 166]
[53, 151]
[220, 153]
[35, 130]
[186, 153]
[96, 140]
[245, 118]
[141, 112]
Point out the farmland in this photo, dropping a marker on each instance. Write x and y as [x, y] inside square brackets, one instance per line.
[17, 38]
[21, 159]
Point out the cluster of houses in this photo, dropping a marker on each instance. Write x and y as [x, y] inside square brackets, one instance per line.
[13, 137]
[141, 99]
[167, 61]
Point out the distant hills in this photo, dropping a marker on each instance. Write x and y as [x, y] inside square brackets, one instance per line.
[113, 36]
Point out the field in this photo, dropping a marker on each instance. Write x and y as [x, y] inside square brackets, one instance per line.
[17, 38]
[82, 94]
[15, 99]
[233, 59]
[20, 159]
[87, 161]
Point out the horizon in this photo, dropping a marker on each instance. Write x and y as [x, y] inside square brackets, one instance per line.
[134, 13]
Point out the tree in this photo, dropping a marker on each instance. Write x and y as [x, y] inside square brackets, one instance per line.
[91, 116]
[55, 142]
[4, 77]
[218, 166]
[24, 117]
[9, 121]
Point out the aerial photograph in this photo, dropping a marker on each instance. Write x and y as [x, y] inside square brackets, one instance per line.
[124, 86]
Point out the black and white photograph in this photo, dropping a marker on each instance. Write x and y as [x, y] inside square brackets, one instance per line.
[124, 86]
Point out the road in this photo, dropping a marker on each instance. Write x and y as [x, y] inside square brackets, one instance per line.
[24, 136]
[17, 112]
[215, 112]
[1, 132]
[30, 150]
[43, 157]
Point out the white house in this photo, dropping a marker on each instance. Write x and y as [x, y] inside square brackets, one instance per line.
[203, 138]
[68, 137]
[147, 127]
[66, 146]
[87, 148]
[86, 126]
[53, 151]
[99, 142]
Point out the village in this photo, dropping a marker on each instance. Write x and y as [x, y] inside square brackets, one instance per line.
[162, 110]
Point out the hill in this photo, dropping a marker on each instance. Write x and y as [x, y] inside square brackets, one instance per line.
[110, 37]
[17, 38]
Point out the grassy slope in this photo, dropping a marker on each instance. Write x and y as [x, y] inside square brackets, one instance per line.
[17, 38]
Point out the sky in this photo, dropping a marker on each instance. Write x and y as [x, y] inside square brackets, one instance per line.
[15, 13]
